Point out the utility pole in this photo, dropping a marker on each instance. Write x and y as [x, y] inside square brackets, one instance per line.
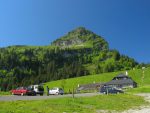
[73, 92]
[143, 75]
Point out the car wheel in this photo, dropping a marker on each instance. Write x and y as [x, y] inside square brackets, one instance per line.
[118, 92]
[41, 94]
[22, 94]
[104, 92]
[34, 94]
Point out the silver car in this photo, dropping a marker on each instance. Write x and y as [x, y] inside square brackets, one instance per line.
[56, 91]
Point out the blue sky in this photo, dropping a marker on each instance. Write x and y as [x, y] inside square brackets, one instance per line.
[125, 24]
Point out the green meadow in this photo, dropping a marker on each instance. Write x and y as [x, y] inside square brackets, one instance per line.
[93, 104]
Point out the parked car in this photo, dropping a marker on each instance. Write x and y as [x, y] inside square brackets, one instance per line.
[56, 91]
[23, 91]
[108, 89]
[39, 89]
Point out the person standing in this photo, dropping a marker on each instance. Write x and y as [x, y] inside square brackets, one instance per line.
[47, 90]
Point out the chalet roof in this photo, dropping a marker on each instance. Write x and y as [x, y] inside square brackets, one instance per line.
[89, 86]
[120, 82]
[122, 75]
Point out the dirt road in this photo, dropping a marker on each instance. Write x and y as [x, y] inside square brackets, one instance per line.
[142, 109]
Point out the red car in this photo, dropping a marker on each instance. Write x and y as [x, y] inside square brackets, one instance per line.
[23, 91]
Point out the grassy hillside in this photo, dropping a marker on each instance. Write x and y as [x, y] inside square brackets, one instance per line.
[137, 75]
[68, 84]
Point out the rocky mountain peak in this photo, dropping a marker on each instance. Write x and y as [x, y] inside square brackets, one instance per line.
[80, 37]
[81, 31]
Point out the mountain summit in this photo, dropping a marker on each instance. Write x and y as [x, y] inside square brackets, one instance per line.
[81, 37]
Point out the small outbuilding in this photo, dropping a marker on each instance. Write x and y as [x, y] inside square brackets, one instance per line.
[122, 81]
[89, 87]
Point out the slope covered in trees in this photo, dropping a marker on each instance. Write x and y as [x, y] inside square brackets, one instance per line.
[80, 52]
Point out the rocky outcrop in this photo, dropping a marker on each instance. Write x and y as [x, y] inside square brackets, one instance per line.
[81, 37]
[68, 43]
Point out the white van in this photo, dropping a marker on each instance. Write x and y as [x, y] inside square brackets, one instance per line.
[38, 89]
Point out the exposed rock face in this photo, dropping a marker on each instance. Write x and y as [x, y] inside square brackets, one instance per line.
[67, 43]
[81, 37]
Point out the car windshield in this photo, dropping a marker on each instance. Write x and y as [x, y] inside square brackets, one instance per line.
[60, 89]
[29, 88]
[54, 88]
[17, 88]
[20, 88]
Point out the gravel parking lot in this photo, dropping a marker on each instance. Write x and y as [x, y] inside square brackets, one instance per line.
[18, 97]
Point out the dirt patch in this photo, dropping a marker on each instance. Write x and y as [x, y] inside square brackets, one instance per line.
[142, 109]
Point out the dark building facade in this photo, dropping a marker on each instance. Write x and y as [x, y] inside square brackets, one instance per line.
[122, 81]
